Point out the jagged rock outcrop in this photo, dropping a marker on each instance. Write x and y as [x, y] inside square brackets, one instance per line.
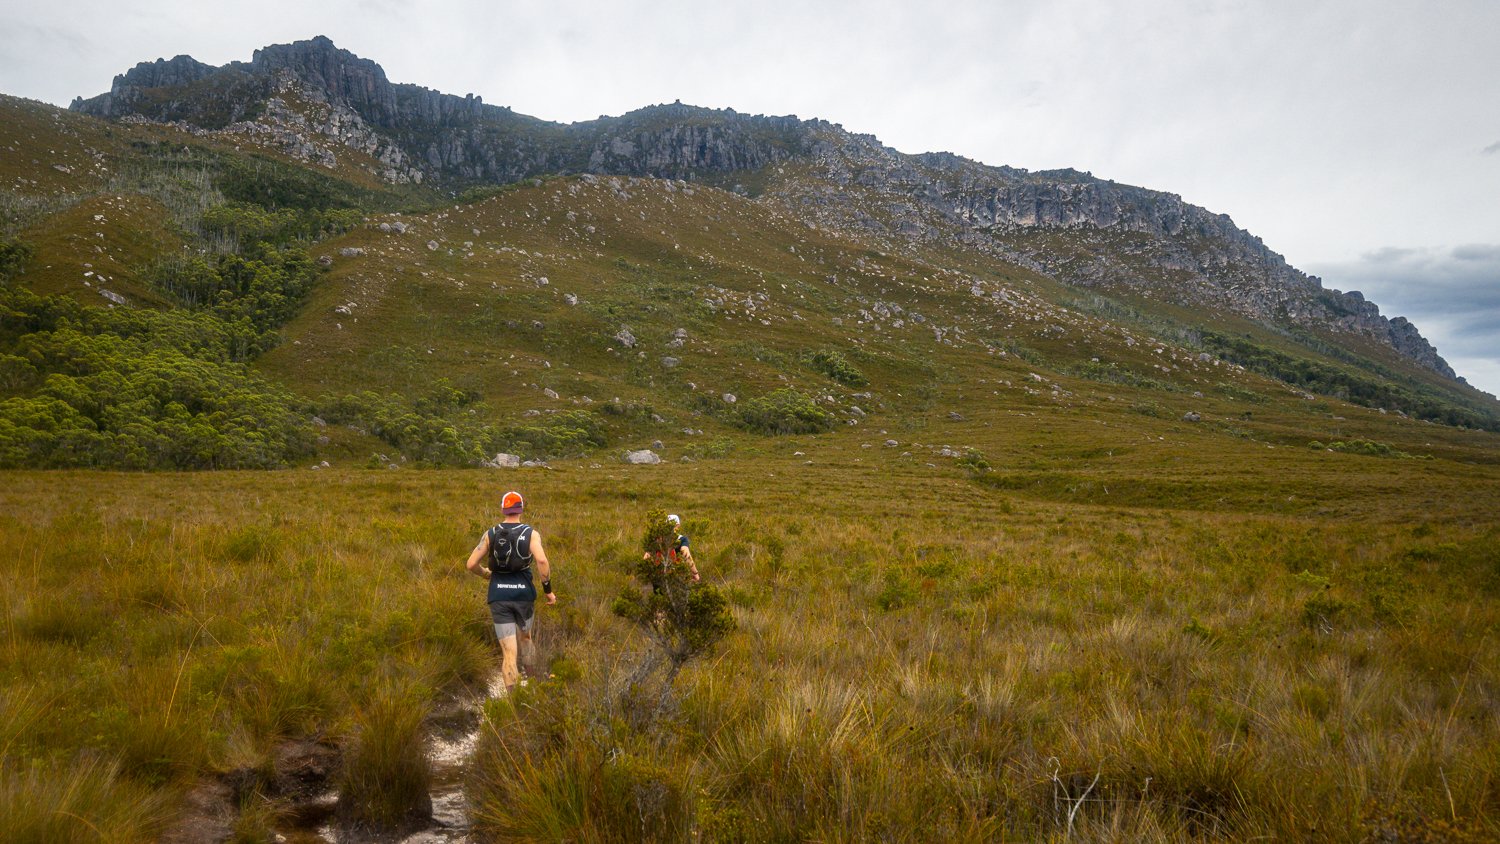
[316, 101]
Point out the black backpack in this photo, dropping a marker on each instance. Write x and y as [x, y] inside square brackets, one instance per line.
[510, 548]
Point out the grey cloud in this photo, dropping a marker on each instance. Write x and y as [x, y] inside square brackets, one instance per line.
[1389, 254]
[1478, 252]
[1491, 149]
[1452, 294]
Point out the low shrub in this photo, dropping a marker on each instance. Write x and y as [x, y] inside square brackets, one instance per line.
[832, 363]
[1369, 448]
[784, 411]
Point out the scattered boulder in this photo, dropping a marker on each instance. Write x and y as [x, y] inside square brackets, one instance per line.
[857, 410]
[656, 444]
[325, 260]
[670, 362]
[535, 464]
[891, 443]
[550, 393]
[1204, 357]
[731, 398]
[570, 298]
[642, 457]
[1191, 416]
[504, 461]
[399, 227]
[625, 338]
[432, 245]
[955, 416]
[351, 251]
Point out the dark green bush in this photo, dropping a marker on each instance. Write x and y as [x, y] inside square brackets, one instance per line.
[832, 363]
[685, 618]
[973, 460]
[437, 427]
[14, 256]
[252, 224]
[785, 411]
[123, 388]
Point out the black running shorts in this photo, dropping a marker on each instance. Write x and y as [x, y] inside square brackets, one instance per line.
[512, 616]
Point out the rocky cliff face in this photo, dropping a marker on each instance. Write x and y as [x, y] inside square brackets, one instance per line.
[1121, 235]
[317, 102]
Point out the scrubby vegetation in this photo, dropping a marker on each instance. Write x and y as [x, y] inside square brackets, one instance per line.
[1342, 383]
[784, 411]
[971, 668]
[14, 254]
[1366, 447]
[447, 426]
[832, 363]
[134, 389]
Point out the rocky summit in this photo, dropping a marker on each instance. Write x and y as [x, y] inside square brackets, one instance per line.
[324, 105]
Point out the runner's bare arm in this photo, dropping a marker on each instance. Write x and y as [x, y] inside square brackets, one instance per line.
[476, 557]
[543, 567]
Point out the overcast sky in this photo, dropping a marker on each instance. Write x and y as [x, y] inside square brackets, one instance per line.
[1360, 138]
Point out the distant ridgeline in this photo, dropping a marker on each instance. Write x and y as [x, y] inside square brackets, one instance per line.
[233, 177]
[1167, 247]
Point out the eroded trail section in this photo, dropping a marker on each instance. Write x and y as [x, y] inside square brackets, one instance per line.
[454, 733]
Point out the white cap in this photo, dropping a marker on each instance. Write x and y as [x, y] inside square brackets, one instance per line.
[674, 520]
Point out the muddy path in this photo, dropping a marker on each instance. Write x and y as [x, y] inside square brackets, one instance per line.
[453, 734]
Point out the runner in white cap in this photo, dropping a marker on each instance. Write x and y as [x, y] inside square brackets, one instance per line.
[680, 549]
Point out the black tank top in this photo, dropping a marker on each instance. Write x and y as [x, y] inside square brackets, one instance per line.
[512, 585]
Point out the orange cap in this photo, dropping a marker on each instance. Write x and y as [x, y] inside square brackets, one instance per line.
[512, 503]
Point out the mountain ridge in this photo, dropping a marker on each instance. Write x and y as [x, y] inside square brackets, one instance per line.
[420, 134]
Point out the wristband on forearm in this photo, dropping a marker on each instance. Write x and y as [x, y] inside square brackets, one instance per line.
[547, 586]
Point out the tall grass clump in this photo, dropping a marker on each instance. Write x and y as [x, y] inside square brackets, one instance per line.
[86, 801]
[386, 778]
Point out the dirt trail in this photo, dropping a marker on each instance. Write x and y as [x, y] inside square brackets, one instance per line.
[454, 735]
